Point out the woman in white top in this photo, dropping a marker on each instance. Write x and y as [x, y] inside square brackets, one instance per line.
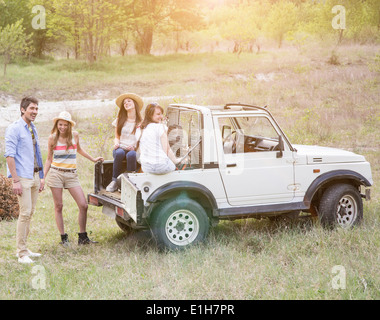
[128, 119]
[156, 156]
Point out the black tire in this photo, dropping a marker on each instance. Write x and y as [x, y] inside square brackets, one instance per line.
[179, 223]
[341, 205]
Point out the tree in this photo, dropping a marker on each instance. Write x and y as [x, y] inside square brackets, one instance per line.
[184, 20]
[242, 24]
[282, 19]
[87, 25]
[13, 42]
[123, 24]
[151, 16]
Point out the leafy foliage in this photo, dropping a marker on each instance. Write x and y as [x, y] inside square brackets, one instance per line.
[13, 42]
[93, 29]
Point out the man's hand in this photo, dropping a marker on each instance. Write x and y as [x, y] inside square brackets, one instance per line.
[17, 188]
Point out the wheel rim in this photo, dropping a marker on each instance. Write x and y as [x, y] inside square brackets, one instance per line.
[347, 211]
[182, 227]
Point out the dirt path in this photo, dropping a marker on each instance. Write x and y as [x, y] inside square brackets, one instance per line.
[48, 110]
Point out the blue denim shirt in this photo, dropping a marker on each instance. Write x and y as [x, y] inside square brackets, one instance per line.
[19, 145]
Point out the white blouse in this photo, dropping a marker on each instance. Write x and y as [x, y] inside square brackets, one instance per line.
[151, 151]
[127, 138]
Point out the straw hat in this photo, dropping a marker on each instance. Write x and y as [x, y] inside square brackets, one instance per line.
[64, 115]
[135, 97]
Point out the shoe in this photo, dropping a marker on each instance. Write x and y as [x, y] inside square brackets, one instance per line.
[112, 187]
[84, 239]
[34, 254]
[25, 259]
[65, 240]
[31, 254]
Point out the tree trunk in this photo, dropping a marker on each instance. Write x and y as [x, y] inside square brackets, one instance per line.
[340, 36]
[76, 43]
[90, 49]
[280, 41]
[7, 59]
[123, 46]
[144, 41]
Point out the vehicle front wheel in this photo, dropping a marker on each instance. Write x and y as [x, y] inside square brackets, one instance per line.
[179, 223]
[341, 205]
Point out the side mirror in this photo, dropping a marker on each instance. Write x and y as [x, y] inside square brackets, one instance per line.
[280, 147]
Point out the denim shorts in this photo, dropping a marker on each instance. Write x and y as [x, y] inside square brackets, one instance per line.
[158, 168]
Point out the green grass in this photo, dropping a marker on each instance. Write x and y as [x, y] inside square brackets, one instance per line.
[315, 103]
[245, 259]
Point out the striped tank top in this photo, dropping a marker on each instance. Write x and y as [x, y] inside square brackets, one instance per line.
[65, 159]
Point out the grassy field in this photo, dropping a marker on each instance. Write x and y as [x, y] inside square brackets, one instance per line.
[318, 97]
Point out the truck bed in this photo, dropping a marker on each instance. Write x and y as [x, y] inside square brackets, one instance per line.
[113, 195]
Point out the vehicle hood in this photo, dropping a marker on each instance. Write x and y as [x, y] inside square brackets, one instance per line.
[317, 154]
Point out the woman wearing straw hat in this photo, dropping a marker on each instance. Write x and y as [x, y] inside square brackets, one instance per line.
[126, 123]
[63, 145]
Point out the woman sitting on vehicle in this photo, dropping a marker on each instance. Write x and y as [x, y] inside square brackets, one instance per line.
[128, 119]
[156, 155]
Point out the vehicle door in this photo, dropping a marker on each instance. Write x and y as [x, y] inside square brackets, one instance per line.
[253, 169]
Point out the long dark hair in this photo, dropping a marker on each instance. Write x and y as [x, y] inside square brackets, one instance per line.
[149, 112]
[122, 116]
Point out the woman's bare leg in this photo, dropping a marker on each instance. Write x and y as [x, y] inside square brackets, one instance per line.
[80, 199]
[58, 206]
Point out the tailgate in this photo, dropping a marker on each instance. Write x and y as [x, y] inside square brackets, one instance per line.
[131, 199]
[128, 204]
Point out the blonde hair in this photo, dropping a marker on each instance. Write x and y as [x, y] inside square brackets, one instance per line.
[69, 137]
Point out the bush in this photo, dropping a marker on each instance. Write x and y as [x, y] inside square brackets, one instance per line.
[375, 65]
[334, 59]
[8, 200]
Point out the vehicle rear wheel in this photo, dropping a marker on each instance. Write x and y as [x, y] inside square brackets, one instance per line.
[179, 223]
[341, 205]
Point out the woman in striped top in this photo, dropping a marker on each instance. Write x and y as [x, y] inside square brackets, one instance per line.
[63, 145]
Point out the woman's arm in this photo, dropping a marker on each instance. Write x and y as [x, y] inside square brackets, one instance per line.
[167, 149]
[17, 187]
[83, 152]
[49, 158]
[117, 140]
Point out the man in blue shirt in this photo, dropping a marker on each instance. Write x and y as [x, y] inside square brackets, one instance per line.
[24, 166]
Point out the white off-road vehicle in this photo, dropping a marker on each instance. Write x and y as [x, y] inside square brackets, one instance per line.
[237, 163]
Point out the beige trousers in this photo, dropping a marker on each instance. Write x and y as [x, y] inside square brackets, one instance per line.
[27, 203]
